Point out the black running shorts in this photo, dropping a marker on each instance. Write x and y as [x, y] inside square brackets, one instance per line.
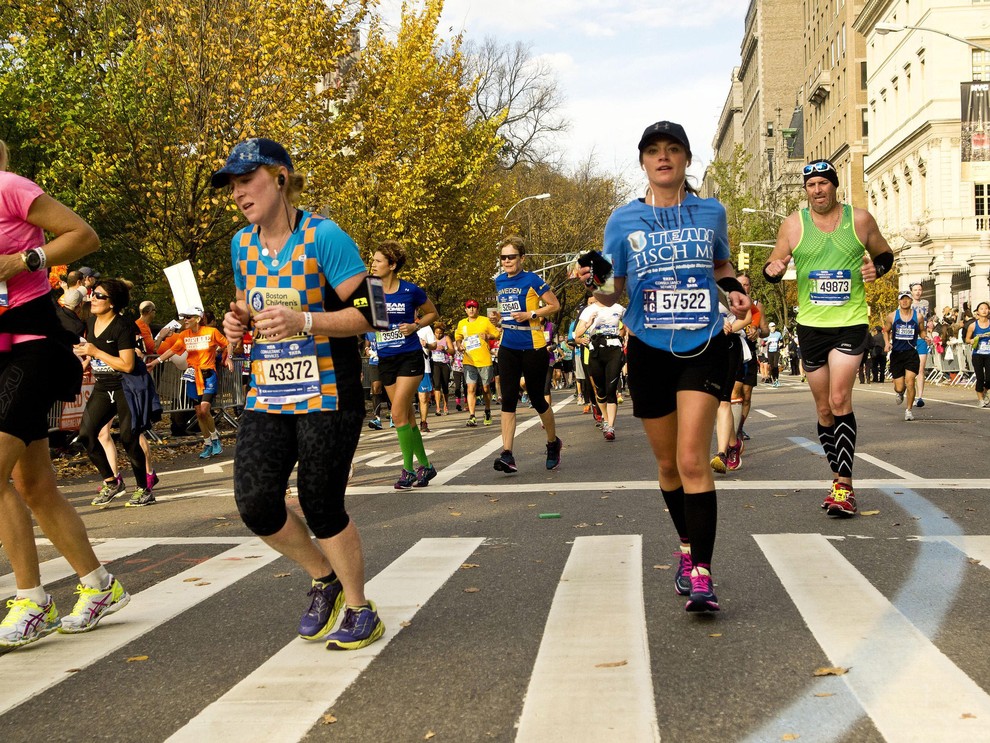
[817, 343]
[904, 361]
[655, 376]
[409, 364]
[33, 376]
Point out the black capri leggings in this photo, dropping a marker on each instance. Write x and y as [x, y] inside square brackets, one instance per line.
[515, 364]
[440, 375]
[268, 447]
[981, 365]
[605, 367]
[102, 406]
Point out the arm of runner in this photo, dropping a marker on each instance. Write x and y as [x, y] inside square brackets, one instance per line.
[787, 238]
[739, 302]
[123, 363]
[429, 314]
[888, 324]
[869, 234]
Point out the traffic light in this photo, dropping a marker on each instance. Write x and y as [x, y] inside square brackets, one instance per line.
[742, 261]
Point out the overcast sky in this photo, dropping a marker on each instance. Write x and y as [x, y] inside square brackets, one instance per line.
[621, 64]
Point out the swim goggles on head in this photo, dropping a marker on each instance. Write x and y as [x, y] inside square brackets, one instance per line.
[817, 168]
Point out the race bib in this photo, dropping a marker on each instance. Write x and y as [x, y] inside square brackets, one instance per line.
[678, 302]
[506, 308]
[389, 338]
[99, 366]
[904, 332]
[984, 345]
[830, 287]
[4, 297]
[286, 371]
[772, 347]
[472, 342]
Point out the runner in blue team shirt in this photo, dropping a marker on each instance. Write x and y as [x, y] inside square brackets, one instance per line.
[670, 253]
[401, 363]
[524, 300]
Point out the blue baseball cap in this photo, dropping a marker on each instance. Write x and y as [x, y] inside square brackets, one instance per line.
[248, 156]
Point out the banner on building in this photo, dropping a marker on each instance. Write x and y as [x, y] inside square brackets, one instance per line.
[974, 120]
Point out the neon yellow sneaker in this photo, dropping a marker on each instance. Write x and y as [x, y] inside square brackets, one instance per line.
[26, 622]
[92, 605]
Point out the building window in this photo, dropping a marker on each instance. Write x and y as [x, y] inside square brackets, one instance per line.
[981, 64]
[866, 123]
[862, 75]
[981, 205]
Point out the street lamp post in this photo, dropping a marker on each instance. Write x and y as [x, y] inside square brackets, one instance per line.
[892, 28]
[538, 197]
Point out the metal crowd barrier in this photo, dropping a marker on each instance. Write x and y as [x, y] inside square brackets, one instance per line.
[172, 392]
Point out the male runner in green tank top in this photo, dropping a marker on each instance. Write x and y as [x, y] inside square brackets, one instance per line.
[832, 245]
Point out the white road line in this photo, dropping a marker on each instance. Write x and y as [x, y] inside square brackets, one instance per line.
[591, 679]
[886, 466]
[482, 452]
[908, 687]
[765, 413]
[504, 485]
[28, 673]
[285, 696]
[107, 551]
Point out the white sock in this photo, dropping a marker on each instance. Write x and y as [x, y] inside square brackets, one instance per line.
[214, 436]
[37, 594]
[99, 579]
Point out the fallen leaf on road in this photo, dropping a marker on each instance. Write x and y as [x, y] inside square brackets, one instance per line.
[604, 497]
[968, 716]
[469, 565]
[715, 634]
[661, 567]
[868, 513]
[750, 505]
[329, 719]
[780, 495]
[405, 623]
[599, 523]
[613, 664]
[550, 493]
[73, 670]
[582, 525]
[217, 526]
[221, 518]
[455, 513]
[191, 580]
[429, 734]
[825, 694]
[137, 658]
[472, 589]
[282, 575]
[493, 500]
[203, 583]
[974, 561]
[836, 671]
[530, 505]
[789, 736]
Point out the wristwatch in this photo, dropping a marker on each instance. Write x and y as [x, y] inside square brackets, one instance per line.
[533, 315]
[32, 259]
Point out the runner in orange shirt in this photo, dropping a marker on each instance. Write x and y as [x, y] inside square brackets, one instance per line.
[201, 343]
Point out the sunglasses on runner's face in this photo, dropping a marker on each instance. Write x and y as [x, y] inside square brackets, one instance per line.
[100, 295]
[817, 168]
[508, 257]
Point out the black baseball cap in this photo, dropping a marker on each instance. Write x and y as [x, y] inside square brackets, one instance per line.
[248, 156]
[666, 129]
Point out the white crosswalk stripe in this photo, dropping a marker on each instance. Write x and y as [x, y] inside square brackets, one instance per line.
[584, 684]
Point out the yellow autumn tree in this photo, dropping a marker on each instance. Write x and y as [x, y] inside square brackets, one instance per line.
[407, 162]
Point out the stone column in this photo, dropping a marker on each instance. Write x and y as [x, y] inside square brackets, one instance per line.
[943, 268]
[979, 272]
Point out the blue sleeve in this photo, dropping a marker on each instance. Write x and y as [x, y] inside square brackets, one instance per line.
[418, 296]
[614, 249]
[540, 286]
[337, 254]
[721, 234]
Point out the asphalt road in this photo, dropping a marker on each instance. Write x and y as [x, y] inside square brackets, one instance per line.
[506, 626]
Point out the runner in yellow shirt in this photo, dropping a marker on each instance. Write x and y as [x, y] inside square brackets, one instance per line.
[470, 338]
